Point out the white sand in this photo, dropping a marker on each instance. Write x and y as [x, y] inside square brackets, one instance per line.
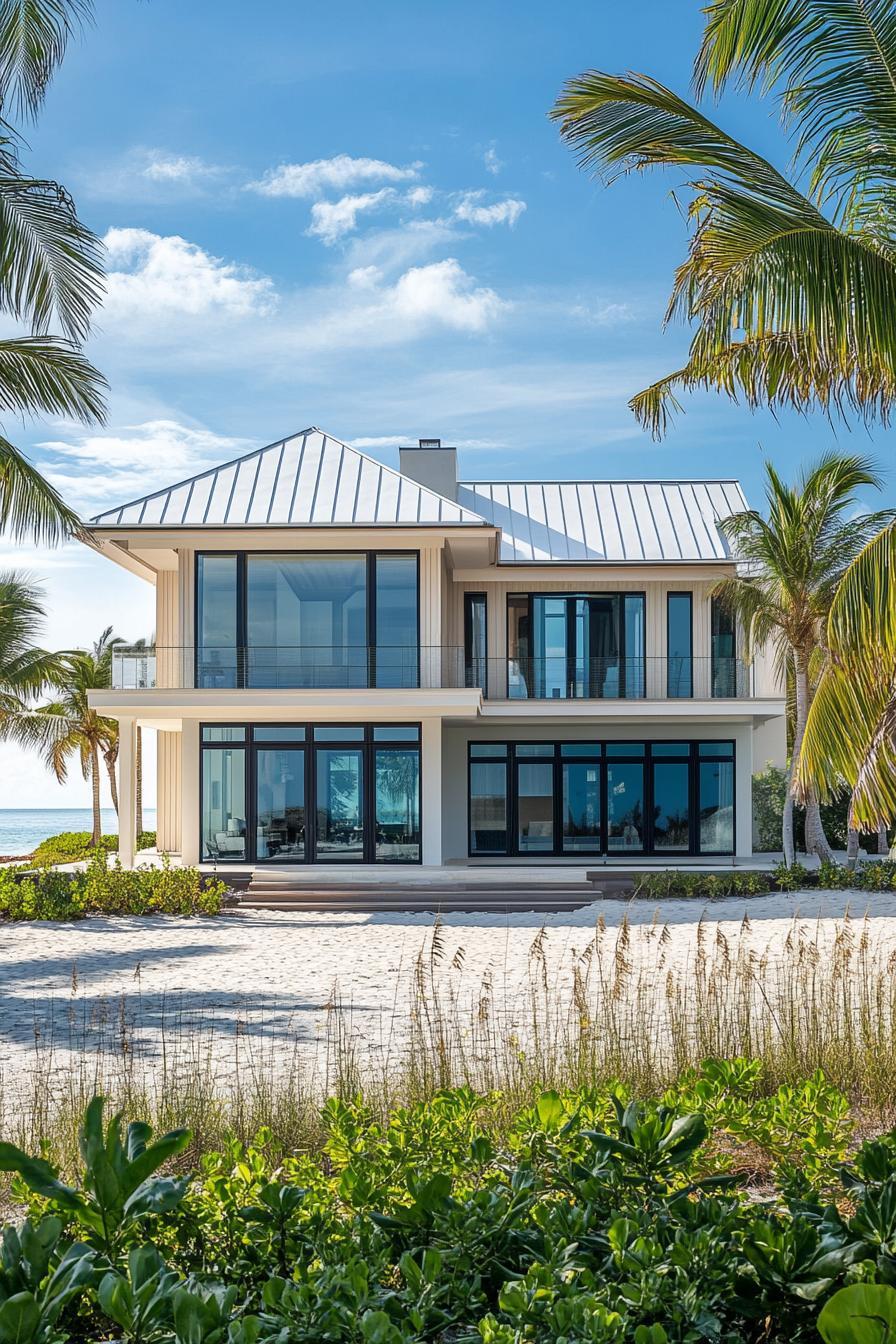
[268, 978]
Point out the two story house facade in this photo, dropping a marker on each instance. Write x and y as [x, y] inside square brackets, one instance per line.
[357, 665]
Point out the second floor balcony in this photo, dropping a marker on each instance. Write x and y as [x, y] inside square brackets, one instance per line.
[404, 667]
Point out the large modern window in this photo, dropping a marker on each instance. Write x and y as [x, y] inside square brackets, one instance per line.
[724, 661]
[297, 793]
[475, 640]
[617, 798]
[303, 619]
[679, 651]
[575, 646]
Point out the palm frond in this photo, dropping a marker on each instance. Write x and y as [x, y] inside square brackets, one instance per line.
[34, 35]
[29, 506]
[44, 375]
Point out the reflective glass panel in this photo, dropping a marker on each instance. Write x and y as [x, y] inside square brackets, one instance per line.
[595, 672]
[535, 807]
[716, 748]
[280, 803]
[635, 663]
[288, 733]
[580, 749]
[535, 749]
[724, 662]
[399, 733]
[340, 804]
[488, 749]
[475, 639]
[224, 804]
[549, 647]
[581, 807]
[397, 777]
[397, 653]
[353, 734]
[307, 620]
[671, 805]
[216, 622]
[625, 806]
[488, 807]
[223, 733]
[519, 661]
[670, 748]
[679, 667]
[625, 748]
[716, 807]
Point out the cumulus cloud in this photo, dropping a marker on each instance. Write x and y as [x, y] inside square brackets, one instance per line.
[335, 174]
[471, 211]
[419, 195]
[492, 163]
[444, 292]
[151, 174]
[153, 278]
[331, 220]
[162, 167]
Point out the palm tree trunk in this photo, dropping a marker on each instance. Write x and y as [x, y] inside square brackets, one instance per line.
[882, 844]
[97, 835]
[852, 848]
[138, 786]
[816, 840]
[110, 758]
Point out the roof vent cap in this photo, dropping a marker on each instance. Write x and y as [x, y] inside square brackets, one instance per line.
[429, 443]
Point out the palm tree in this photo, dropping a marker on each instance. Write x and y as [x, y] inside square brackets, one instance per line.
[25, 669]
[67, 726]
[792, 290]
[790, 564]
[858, 688]
[50, 271]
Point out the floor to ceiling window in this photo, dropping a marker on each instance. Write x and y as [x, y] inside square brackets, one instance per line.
[299, 793]
[571, 798]
[575, 646]
[307, 619]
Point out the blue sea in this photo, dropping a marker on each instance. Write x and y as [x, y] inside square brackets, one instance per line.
[22, 828]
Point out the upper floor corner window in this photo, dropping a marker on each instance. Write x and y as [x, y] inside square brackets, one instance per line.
[475, 640]
[576, 646]
[305, 620]
[679, 646]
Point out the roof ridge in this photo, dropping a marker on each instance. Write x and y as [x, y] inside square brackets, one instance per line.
[606, 480]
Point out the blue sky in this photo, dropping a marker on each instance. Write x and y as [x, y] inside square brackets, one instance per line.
[360, 217]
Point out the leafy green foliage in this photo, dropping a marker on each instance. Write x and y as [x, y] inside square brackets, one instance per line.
[107, 888]
[71, 846]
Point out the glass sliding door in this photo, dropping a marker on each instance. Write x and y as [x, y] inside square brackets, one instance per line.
[581, 806]
[216, 623]
[223, 820]
[519, 660]
[306, 620]
[339, 804]
[549, 647]
[535, 806]
[635, 661]
[488, 805]
[280, 803]
[581, 646]
[397, 809]
[396, 651]
[716, 798]
[679, 666]
[671, 806]
[625, 806]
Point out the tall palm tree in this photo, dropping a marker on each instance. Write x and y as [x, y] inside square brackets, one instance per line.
[790, 278]
[50, 273]
[858, 689]
[25, 668]
[67, 726]
[790, 564]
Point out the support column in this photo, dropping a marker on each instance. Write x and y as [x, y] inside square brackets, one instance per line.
[431, 790]
[127, 791]
[743, 787]
[189, 792]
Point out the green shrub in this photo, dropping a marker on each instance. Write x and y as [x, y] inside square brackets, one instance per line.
[769, 794]
[105, 888]
[671, 884]
[146, 840]
[589, 1217]
[72, 846]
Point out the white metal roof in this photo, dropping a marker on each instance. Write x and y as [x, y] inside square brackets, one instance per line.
[610, 521]
[307, 480]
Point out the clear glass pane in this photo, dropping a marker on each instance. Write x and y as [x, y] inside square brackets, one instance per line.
[224, 804]
[679, 666]
[671, 805]
[398, 733]
[624, 748]
[397, 775]
[580, 749]
[488, 749]
[286, 733]
[307, 621]
[625, 806]
[223, 733]
[549, 647]
[397, 653]
[280, 803]
[488, 807]
[596, 673]
[519, 660]
[635, 665]
[724, 662]
[535, 807]
[353, 734]
[670, 748]
[216, 622]
[475, 640]
[716, 807]
[581, 808]
[340, 804]
[535, 749]
[716, 748]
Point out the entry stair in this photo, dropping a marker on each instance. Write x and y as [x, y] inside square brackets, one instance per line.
[288, 889]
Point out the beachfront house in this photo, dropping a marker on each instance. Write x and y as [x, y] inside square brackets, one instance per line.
[357, 665]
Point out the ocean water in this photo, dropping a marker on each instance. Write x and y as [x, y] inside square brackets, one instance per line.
[21, 828]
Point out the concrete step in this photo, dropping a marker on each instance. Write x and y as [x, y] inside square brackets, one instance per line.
[358, 906]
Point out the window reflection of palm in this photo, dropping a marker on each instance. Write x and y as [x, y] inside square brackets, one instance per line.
[630, 835]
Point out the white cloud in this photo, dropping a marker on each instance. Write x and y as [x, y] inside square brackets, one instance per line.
[152, 279]
[331, 220]
[336, 174]
[419, 195]
[395, 248]
[444, 292]
[492, 163]
[162, 167]
[97, 470]
[501, 212]
[409, 440]
[153, 174]
[364, 277]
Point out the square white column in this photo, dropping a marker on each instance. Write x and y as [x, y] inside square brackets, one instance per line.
[431, 790]
[189, 792]
[127, 791]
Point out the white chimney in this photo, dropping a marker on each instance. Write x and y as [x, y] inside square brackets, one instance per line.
[429, 464]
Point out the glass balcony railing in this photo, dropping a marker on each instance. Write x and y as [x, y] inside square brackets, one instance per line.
[360, 667]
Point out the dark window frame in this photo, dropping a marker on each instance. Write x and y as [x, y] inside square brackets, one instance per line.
[718, 604]
[242, 609]
[569, 596]
[671, 596]
[470, 657]
[366, 744]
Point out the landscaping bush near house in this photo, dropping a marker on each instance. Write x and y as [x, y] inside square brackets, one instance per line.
[769, 795]
[718, 1211]
[875, 876]
[108, 889]
[71, 846]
